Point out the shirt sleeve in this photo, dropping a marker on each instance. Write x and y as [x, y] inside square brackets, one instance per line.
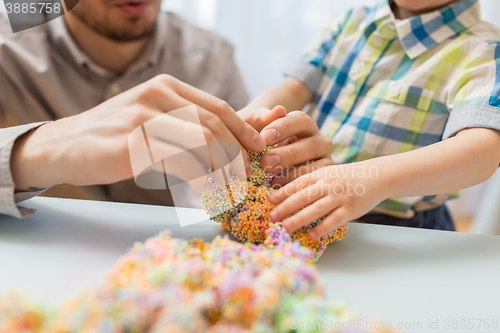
[475, 99]
[8, 198]
[313, 64]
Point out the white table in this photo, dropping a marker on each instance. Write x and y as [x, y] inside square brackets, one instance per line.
[400, 275]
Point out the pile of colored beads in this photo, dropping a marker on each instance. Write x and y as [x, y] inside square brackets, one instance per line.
[169, 285]
[242, 208]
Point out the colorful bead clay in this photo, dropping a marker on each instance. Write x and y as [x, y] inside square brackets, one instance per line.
[169, 285]
[242, 208]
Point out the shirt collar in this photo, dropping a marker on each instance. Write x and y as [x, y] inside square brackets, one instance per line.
[64, 42]
[420, 33]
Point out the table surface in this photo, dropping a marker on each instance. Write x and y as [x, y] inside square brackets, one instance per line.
[400, 275]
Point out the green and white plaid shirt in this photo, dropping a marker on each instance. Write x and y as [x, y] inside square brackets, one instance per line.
[385, 86]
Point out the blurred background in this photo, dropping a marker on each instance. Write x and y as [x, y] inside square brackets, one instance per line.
[269, 35]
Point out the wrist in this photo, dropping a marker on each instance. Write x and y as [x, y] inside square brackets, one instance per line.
[32, 161]
[382, 179]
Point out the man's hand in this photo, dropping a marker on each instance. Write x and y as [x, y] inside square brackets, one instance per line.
[92, 147]
[301, 148]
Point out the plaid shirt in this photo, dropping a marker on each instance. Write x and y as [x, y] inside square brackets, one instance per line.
[385, 86]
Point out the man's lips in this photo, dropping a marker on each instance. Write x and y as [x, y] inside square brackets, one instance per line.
[133, 8]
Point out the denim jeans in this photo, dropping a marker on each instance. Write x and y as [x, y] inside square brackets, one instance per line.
[438, 218]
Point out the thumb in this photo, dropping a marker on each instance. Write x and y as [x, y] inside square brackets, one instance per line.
[276, 113]
[260, 117]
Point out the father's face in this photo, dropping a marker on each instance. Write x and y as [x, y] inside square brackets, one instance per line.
[119, 20]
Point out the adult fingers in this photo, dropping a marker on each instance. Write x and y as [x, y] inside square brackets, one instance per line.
[207, 136]
[248, 136]
[216, 132]
[182, 164]
[189, 128]
[180, 144]
[178, 132]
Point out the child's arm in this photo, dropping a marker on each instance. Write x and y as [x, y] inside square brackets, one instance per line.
[346, 192]
[291, 94]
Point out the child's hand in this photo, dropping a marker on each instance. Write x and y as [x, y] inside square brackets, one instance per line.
[301, 148]
[260, 117]
[342, 193]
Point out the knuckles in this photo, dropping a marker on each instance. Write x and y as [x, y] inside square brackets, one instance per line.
[161, 86]
[149, 93]
[164, 79]
[222, 105]
[301, 116]
[136, 116]
[213, 122]
[329, 145]
[289, 154]
[320, 206]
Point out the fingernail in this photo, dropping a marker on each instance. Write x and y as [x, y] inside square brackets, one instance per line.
[274, 216]
[288, 224]
[270, 135]
[313, 235]
[272, 198]
[259, 141]
[273, 161]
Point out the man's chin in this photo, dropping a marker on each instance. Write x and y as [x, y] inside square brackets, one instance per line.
[120, 28]
[129, 31]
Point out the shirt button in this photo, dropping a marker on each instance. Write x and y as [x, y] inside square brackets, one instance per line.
[350, 89]
[377, 41]
[394, 89]
[394, 92]
[355, 70]
[115, 89]
[364, 55]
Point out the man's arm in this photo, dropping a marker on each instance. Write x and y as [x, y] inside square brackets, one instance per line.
[9, 137]
[93, 147]
[468, 159]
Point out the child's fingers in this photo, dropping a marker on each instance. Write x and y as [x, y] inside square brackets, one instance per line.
[296, 153]
[261, 117]
[336, 218]
[310, 214]
[290, 174]
[297, 185]
[276, 113]
[296, 202]
[295, 123]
